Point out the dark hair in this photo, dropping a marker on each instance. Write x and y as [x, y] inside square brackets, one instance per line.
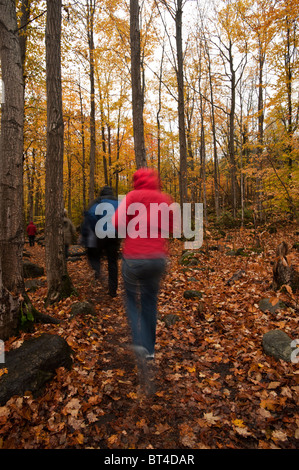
[106, 191]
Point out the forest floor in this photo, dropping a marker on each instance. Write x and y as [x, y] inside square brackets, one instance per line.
[216, 388]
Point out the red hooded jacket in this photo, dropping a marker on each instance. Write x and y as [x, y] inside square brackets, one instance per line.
[31, 229]
[135, 218]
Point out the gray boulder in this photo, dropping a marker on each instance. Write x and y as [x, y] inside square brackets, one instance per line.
[32, 270]
[82, 307]
[265, 305]
[277, 343]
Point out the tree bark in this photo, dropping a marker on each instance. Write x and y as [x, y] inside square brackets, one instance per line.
[181, 104]
[59, 284]
[137, 95]
[159, 110]
[103, 135]
[260, 131]
[215, 154]
[11, 175]
[92, 154]
[25, 15]
[231, 134]
[82, 120]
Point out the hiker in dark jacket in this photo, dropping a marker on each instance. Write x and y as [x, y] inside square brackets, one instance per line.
[98, 218]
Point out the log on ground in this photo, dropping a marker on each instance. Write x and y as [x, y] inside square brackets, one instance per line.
[29, 367]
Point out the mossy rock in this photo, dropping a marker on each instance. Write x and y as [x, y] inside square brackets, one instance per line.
[82, 308]
[170, 319]
[186, 258]
[266, 306]
[192, 294]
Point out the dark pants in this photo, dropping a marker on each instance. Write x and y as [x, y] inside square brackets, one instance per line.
[143, 276]
[110, 247]
[94, 260]
[31, 240]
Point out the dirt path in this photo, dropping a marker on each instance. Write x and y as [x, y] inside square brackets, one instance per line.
[215, 386]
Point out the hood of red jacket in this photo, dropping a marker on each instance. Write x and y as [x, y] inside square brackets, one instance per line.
[146, 178]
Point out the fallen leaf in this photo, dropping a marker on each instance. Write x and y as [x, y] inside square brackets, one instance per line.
[243, 431]
[3, 371]
[72, 407]
[112, 439]
[273, 385]
[210, 418]
[160, 428]
[239, 423]
[279, 435]
[268, 404]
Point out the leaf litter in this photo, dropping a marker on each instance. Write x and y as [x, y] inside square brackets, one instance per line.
[215, 386]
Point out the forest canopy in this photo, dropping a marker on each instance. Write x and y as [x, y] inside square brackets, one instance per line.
[240, 103]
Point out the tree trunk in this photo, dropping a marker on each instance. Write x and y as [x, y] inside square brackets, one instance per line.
[215, 154]
[83, 149]
[159, 110]
[260, 131]
[137, 95]
[181, 103]
[203, 159]
[90, 19]
[69, 170]
[11, 175]
[231, 135]
[103, 135]
[25, 15]
[59, 285]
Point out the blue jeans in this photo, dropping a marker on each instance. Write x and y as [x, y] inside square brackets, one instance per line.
[143, 276]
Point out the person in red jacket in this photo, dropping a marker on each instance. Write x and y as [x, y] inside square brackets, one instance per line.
[144, 254]
[31, 231]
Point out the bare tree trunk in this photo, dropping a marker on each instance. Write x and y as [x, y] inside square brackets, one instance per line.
[215, 154]
[31, 176]
[181, 103]
[260, 131]
[90, 25]
[231, 134]
[83, 149]
[69, 170]
[137, 95]
[103, 135]
[159, 109]
[59, 284]
[109, 152]
[11, 175]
